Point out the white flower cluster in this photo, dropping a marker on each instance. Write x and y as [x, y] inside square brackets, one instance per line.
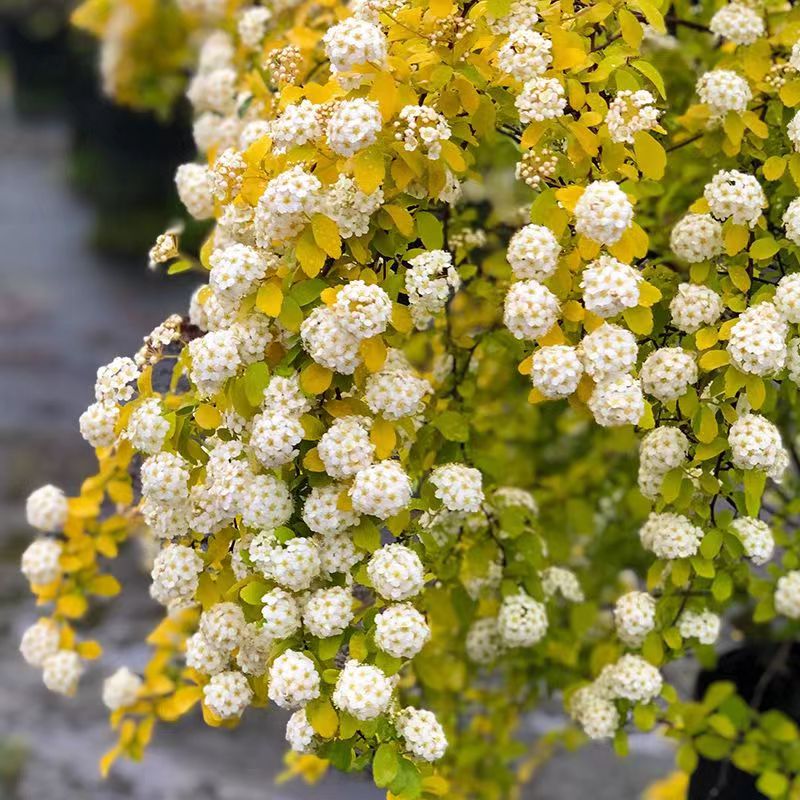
[757, 342]
[328, 343]
[521, 621]
[396, 391]
[483, 643]
[98, 423]
[630, 112]
[756, 443]
[401, 630]
[298, 124]
[662, 449]
[328, 612]
[670, 535]
[354, 42]
[738, 23]
[281, 613]
[293, 680]
[736, 196]
[787, 298]
[609, 286]
[530, 309]
[540, 99]
[175, 575]
[236, 270]
[299, 733]
[422, 733]
[47, 509]
[696, 237]
[617, 401]
[353, 125]
[39, 641]
[114, 380]
[634, 617]
[41, 561]
[756, 537]
[558, 580]
[195, 190]
[227, 694]
[533, 253]
[787, 595]
[147, 427]
[701, 625]
[362, 691]
[526, 54]
[422, 128]
[285, 205]
[61, 672]
[321, 511]
[694, 306]
[609, 351]
[535, 167]
[723, 90]
[430, 280]
[121, 689]
[396, 572]
[603, 212]
[791, 221]
[214, 358]
[556, 370]
[668, 372]
[460, 488]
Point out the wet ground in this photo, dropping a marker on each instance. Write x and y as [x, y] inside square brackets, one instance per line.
[64, 310]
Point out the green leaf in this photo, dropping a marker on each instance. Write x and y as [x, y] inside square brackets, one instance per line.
[430, 230]
[754, 482]
[453, 426]
[306, 292]
[772, 784]
[256, 379]
[385, 765]
[253, 592]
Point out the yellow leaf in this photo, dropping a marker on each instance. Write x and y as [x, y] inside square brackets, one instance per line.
[104, 586]
[790, 93]
[708, 428]
[373, 351]
[90, 650]
[326, 235]
[384, 90]
[756, 391]
[401, 318]
[207, 417]
[714, 359]
[650, 155]
[639, 319]
[383, 436]
[706, 337]
[402, 219]
[631, 28]
[453, 156]
[369, 169]
[441, 8]
[573, 311]
[525, 366]
[315, 379]
[184, 699]
[312, 462]
[649, 295]
[72, 606]
[322, 718]
[774, 167]
[535, 396]
[270, 299]
[569, 196]
[108, 759]
[735, 238]
[309, 254]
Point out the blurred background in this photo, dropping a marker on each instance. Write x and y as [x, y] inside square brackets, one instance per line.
[85, 187]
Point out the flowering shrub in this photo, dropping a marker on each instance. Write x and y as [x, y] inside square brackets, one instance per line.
[491, 287]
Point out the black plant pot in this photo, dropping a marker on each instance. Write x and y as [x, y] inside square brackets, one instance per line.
[767, 676]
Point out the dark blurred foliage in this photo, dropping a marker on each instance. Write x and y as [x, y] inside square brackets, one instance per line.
[122, 162]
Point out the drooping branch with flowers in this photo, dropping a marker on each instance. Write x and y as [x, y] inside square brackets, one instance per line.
[491, 288]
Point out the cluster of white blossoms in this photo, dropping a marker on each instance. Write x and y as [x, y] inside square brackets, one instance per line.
[362, 690]
[521, 621]
[351, 43]
[396, 391]
[738, 23]
[293, 680]
[756, 537]
[175, 575]
[401, 630]
[530, 309]
[701, 625]
[396, 572]
[47, 508]
[787, 298]
[787, 595]
[195, 190]
[609, 286]
[696, 237]
[422, 128]
[617, 401]
[422, 733]
[526, 54]
[668, 372]
[723, 90]
[694, 306]
[594, 708]
[661, 450]
[603, 212]
[736, 196]
[757, 342]
[556, 370]
[540, 99]
[227, 694]
[791, 221]
[353, 125]
[533, 253]
[460, 488]
[630, 112]
[431, 279]
[535, 167]
[558, 580]
[121, 689]
[670, 536]
[634, 617]
[756, 443]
